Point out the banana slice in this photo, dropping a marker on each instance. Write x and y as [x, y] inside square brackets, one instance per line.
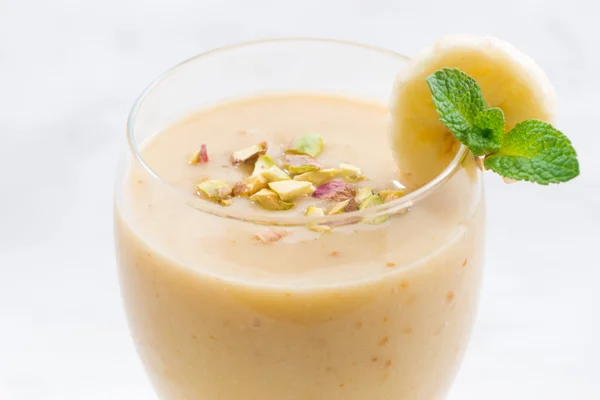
[509, 79]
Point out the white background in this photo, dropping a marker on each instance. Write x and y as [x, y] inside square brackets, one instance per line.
[69, 71]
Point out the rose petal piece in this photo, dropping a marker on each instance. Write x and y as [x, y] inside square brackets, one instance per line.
[203, 156]
[200, 156]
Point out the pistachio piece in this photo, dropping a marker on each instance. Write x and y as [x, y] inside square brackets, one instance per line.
[200, 156]
[248, 154]
[317, 212]
[193, 160]
[274, 174]
[339, 207]
[351, 173]
[314, 212]
[343, 206]
[362, 194]
[310, 144]
[300, 164]
[288, 190]
[335, 190]
[372, 201]
[389, 195]
[215, 190]
[352, 205]
[271, 235]
[318, 177]
[269, 200]
[250, 185]
[263, 162]
[319, 228]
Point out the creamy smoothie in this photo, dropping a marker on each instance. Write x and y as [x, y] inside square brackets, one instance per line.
[364, 312]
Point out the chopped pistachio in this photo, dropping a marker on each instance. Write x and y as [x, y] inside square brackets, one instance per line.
[339, 207]
[318, 177]
[263, 162]
[269, 200]
[200, 156]
[314, 212]
[215, 190]
[300, 164]
[270, 235]
[509, 180]
[193, 160]
[372, 201]
[335, 190]
[351, 173]
[319, 228]
[288, 190]
[310, 144]
[248, 154]
[317, 212]
[362, 194]
[343, 206]
[274, 174]
[250, 185]
[352, 205]
[389, 195]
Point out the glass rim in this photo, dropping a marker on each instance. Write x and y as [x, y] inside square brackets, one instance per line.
[390, 208]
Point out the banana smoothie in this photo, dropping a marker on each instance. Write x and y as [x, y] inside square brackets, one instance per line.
[287, 230]
[234, 291]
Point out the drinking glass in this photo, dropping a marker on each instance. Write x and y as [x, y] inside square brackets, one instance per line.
[339, 331]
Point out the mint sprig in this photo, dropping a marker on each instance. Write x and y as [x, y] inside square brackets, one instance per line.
[532, 151]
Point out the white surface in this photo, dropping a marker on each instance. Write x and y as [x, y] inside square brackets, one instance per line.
[69, 70]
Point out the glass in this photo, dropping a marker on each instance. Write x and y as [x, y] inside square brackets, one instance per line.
[396, 333]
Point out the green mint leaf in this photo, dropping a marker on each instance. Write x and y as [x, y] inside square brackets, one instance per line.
[534, 151]
[487, 135]
[458, 100]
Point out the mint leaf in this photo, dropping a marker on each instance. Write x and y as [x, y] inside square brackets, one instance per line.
[458, 100]
[488, 133]
[534, 151]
